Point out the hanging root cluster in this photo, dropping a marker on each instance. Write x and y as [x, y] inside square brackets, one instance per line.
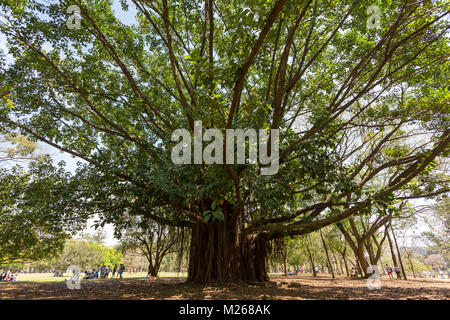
[220, 254]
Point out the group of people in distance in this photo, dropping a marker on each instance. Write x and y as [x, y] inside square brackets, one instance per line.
[354, 272]
[436, 273]
[102, 272]
[8, 276]
[389, 271]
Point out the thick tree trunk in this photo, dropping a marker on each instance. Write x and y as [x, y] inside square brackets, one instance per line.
[358, 250]
[4, 93]
[337, 263]
[285, 260]
[341, 265]
[345, 264]
[330, 268]
[391, 247]
[153, 270]
[359, 267]
[370, 251]
[311, 258]
[220, 254]
[410, 264]
[398, 254]
[362, 260]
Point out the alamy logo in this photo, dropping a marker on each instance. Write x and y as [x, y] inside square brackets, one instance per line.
[74, 281]
[374, 281]
[214, 152]
[73, 22]
[374, 20]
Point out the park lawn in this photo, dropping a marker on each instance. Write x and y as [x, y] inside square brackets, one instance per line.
[48, 277]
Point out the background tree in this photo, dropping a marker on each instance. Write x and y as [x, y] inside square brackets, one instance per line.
[99, 236]
[439, 237]
[86, 255]
[155, 241]
[16, 148]
[361, 236]
[34, 217]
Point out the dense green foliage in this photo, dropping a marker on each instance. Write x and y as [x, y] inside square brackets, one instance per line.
[75, 252]
[35, 218]
[31, 222]
[86, 255]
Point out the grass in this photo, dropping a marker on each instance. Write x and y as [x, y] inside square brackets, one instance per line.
[48, 277]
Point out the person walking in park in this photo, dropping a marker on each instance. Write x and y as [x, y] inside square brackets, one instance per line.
[397, 272]
[114, 271]
[389, 271]
[118, 270]
[121, 270]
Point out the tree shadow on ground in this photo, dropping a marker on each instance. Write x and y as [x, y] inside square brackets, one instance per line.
[279, 288]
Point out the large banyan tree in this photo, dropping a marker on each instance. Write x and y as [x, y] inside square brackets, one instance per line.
[359, 95]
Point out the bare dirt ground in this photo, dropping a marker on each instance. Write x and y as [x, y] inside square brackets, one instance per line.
[279, 288]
